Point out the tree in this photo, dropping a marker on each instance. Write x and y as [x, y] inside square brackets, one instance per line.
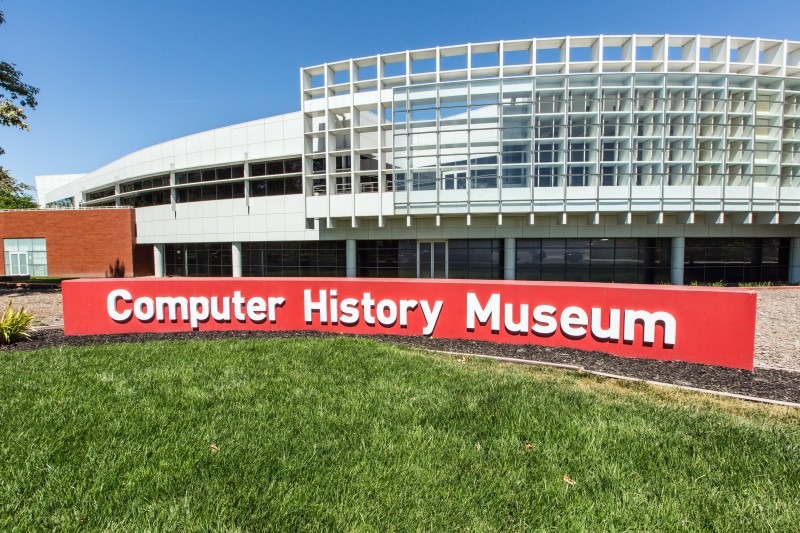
[14, 194]
[16, 97]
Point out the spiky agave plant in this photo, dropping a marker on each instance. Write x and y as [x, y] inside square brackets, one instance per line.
[15, 324]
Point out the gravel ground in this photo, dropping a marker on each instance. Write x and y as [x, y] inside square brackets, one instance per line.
[777, 349]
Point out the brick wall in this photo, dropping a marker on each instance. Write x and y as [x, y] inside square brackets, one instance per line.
[80, 242]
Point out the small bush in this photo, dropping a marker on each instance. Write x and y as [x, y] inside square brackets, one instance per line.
[762, 284]
[15, 325]
[719, 283]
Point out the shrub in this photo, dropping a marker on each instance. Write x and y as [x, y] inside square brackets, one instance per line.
[719, 283]
[15, 325]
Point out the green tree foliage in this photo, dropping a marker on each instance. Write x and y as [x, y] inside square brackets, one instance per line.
[16, 97]
[14, 194]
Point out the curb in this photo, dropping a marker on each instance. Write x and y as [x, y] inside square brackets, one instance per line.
[576, 368]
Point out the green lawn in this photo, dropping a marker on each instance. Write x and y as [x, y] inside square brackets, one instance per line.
[351, 434]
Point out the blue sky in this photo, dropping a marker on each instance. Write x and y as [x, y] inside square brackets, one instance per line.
[117, 76]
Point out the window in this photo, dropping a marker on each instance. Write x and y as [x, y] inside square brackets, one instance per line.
[367, 162]
[145, 199]
[547, 153]
[209, 174]
[423, 181]
[96, 195]
[343, 185]
[548, 128]
[578, 176]
[318, 186]
[736, 260]
[343, 163]
[63, 203]
[612, 176]
[611, 127]
[581, 103]
[546, 177]
[644, 126]
[515, 177]
[516, 153]
[579, 152]
[149, 183]
[25, 257]
[612, 151]
[276, 186]
[475, 258]
[369, 183]
[579, 127]
[677, 126]
[223, 191]
[455, 180]
[548, 103]
[387, 259]
[485, 178]
[621, 260]
[612, 102]
[200, 259]
[294, 258]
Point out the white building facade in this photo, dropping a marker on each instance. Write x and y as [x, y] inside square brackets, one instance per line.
[633, 158]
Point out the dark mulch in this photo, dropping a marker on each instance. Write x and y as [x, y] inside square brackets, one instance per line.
[762, 383]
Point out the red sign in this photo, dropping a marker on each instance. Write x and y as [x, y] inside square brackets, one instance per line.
[700, 325]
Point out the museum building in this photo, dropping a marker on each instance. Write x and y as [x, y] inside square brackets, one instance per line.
[638, 158]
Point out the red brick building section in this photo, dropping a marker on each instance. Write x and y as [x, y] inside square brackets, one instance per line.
[81, 242]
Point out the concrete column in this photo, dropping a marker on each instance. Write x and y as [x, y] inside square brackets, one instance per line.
[510, 259]
[236, 259]
[350, 257]
[158, 260]
[794, 261]
[676, 262]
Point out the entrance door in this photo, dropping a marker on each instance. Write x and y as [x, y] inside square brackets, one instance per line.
[19, 263]
[432, 259]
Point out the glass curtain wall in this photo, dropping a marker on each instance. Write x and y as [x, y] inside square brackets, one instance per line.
[614, 130]
[734, 261]
[294, 258]
[599, 260]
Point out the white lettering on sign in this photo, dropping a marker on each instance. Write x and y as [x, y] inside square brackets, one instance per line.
[326, 307]
[386, 312]
[195, 309]
[573, 321]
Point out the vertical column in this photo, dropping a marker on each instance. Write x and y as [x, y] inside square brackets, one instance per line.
[236, 259]
[350, 257]
[794, 261]
[510, 259]
[158, 260]
[676, 261]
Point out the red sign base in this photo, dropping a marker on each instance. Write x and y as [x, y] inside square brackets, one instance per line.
[699, 325]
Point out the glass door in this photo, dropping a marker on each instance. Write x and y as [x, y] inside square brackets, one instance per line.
[432, 259]
[19, 263]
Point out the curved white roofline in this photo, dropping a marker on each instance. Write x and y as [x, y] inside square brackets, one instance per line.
[632, 53]
[265, 138]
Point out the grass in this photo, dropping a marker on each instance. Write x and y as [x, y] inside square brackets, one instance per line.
[351, 434]
[46, 279]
